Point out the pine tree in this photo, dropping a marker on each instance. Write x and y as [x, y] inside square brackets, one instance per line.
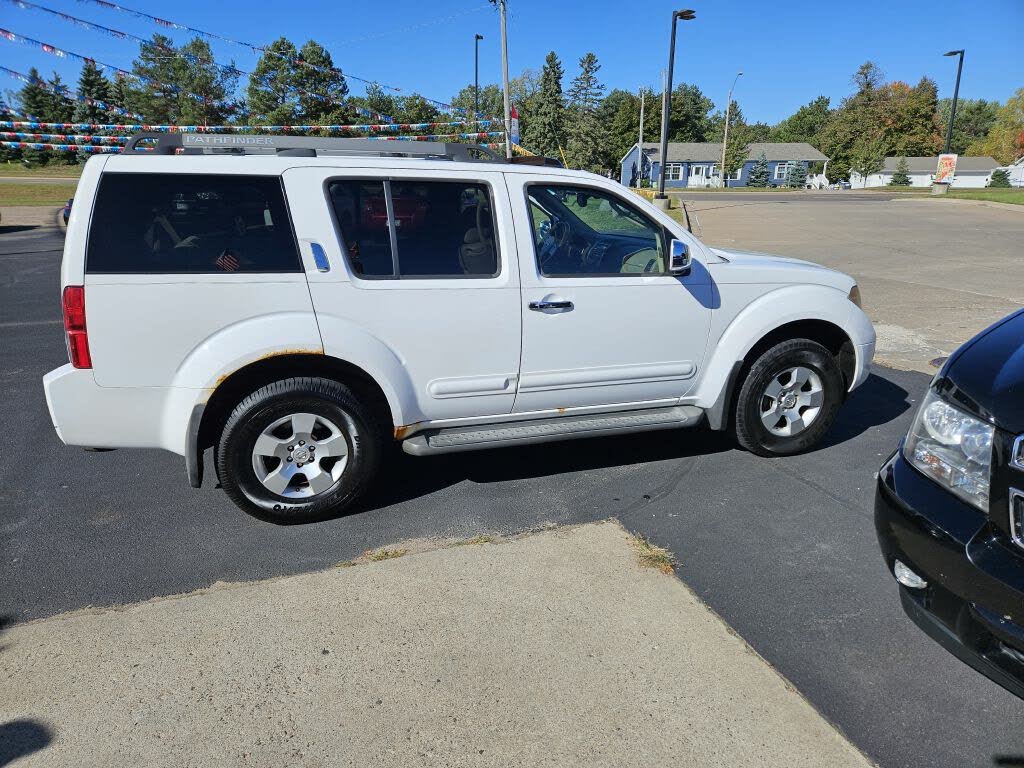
[121, 96]
[586, 134]
[92, 86]
[901, 178]
[1000, 179]
[796, 177]
[759, 172]
[160, 76]
[546, 135]
[323, 89]
[60, 108]
[380, 102]
[206, 91]
[34, 98]
[272, 98]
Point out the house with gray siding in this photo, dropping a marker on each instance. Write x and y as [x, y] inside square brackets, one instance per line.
[695, 164]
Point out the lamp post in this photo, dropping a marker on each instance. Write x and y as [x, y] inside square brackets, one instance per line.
[956, 93]
[725, 139]
[502, 6]
[666, 105]
[476, 77]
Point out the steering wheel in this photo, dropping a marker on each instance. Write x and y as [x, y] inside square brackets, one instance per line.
[556, 239]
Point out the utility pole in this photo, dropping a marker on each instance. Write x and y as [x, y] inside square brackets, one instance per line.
[504, 80]
[725, 139]
[956, 93]
[640, 173]
[476, 78]
[666, 105]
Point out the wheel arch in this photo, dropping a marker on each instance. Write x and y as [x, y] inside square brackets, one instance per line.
[837, 340]
[208, 419]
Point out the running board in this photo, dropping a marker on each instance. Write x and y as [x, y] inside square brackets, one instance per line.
[476, 438]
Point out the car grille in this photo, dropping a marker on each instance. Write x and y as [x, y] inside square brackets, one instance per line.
[1017, 454]
[1017, 516]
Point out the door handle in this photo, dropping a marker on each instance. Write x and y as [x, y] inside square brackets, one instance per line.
[320, 257]
[540, 306]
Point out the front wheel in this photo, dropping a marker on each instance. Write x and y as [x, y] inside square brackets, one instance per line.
[298, 450]
[789, 399]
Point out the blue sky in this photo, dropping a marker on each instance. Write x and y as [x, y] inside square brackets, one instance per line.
[789, 51]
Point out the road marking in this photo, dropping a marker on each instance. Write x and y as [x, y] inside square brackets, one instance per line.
[31, 322]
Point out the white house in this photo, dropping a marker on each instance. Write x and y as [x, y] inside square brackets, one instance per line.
[1015, 172]
[970, 172]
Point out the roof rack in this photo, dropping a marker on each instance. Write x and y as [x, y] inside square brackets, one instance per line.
[312, 146]
[303, 146]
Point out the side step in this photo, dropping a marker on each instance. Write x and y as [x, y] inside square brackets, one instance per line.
[476, 438]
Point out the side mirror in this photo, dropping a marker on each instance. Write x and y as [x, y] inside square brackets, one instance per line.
[679, 258]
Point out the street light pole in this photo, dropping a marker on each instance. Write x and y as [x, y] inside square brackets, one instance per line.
[476, 77]
[504, 81]
[640, 144]
[725, 139]
[666, 104]
[956, 93]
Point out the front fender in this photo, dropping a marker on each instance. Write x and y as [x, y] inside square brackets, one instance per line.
[779, 307]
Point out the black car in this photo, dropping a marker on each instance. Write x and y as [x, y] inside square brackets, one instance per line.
[949, 506]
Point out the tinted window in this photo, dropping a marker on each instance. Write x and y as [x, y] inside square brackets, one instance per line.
[436, 228]
[579, 231]
[362, 213]
[168, 223]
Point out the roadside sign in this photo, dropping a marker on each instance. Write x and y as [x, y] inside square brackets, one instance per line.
[946, 170]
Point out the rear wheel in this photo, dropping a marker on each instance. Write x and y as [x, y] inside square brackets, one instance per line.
[298, 450]
[789, 399]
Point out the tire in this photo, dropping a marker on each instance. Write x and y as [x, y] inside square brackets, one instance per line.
[265, 470]
[779, 411]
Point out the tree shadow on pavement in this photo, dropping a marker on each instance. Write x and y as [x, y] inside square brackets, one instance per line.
[19, 738]
[23, 736]
[10, 230]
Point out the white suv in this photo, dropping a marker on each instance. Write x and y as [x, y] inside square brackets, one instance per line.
[298, 304]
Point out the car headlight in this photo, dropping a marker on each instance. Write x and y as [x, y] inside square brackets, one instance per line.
[952, 448]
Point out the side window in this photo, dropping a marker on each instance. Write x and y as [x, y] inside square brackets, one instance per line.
[416, 229]
[145, 223]
[580, 231]
[362, 212]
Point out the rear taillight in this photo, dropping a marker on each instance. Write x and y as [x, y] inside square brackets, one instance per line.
[74, 326]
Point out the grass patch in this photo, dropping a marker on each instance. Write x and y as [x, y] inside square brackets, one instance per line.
[475, 540]
[35, 194]
[652, 556]
[384, 554]
[41, 171]
[1015, 196]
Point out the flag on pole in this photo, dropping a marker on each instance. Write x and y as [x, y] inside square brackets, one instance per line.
[514, 128]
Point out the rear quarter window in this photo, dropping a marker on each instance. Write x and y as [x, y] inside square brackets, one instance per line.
[146, 223]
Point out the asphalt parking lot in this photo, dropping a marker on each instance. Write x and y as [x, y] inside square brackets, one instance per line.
[783, 550]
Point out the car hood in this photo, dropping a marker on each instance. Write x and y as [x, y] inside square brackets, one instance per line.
[750, 267]
[987, 373]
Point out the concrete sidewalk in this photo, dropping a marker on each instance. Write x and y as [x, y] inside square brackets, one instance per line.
[553, 649]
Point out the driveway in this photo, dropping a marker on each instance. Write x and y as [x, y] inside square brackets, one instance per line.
[783, 550]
